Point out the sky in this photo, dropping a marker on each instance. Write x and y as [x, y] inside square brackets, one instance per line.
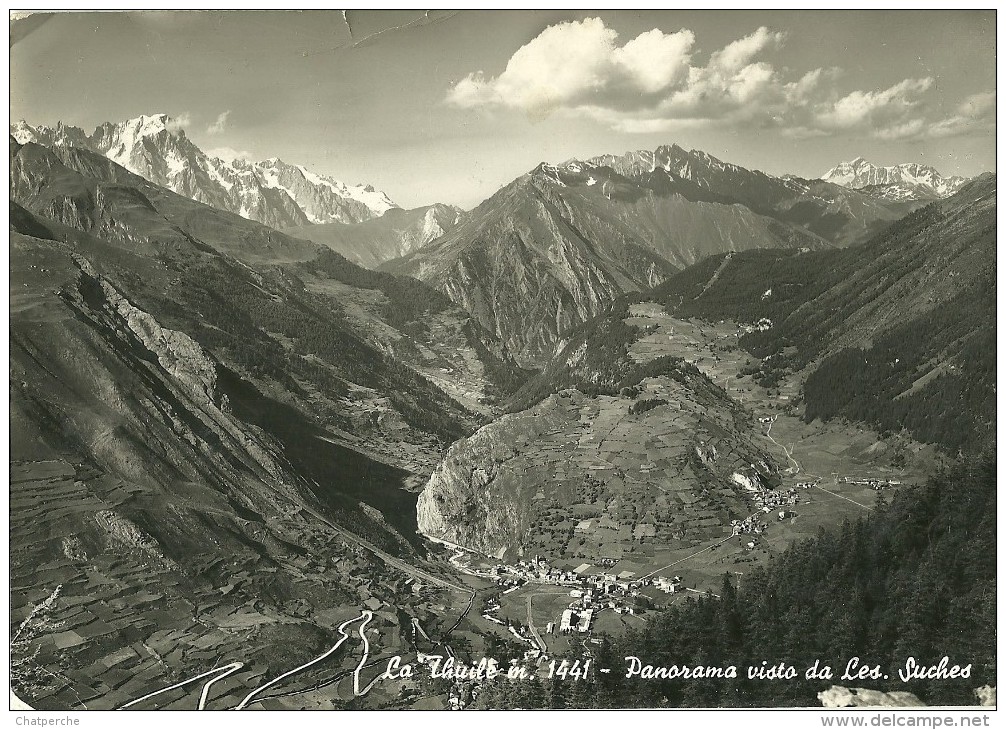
[448, 106]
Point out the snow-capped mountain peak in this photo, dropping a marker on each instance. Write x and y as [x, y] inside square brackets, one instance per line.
[907, 181]
[273, 192]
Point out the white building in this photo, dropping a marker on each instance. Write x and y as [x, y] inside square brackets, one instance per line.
[565, 624]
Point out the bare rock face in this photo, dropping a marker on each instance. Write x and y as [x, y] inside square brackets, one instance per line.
[176, 352]
[73, 549]
[471, 498]
[124, 531]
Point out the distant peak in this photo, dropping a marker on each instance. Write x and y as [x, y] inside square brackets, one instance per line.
[905, 181]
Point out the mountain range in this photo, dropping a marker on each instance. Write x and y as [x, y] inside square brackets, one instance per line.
[272, 192]
[907, 181]
[559, 244]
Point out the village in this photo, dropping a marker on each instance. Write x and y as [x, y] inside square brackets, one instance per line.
[590, 593]
[594, 587]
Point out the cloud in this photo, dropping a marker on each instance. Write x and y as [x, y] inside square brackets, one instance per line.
[653, 83]
[229, 154]
[975, 113]
[220, 124]
[877, 109]
[574, 64]
[179, 122]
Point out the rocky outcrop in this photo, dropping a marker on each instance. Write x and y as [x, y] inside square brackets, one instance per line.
[73, 549]
[124, 531]
[180, 358]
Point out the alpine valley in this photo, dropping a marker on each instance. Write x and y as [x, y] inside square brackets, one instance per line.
[270, 431]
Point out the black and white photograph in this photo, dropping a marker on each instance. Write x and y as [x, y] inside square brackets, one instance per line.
[457, 360]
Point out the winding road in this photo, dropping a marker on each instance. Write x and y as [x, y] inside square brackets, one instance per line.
[229, 669]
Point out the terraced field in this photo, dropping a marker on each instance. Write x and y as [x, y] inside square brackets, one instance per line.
[133, 620]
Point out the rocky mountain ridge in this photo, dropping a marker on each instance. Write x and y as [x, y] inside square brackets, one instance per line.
[271, 191]
[560, 243]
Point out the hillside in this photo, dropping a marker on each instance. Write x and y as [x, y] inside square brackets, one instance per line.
[215, 421]
[898, 331]
[668, 458]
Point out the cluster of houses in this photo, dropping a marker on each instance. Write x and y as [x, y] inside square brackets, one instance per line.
[531, 571]
[511, 577]
[768, 499]
[874, 484]
[748, 526]
[608, 596]
[591, 593]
